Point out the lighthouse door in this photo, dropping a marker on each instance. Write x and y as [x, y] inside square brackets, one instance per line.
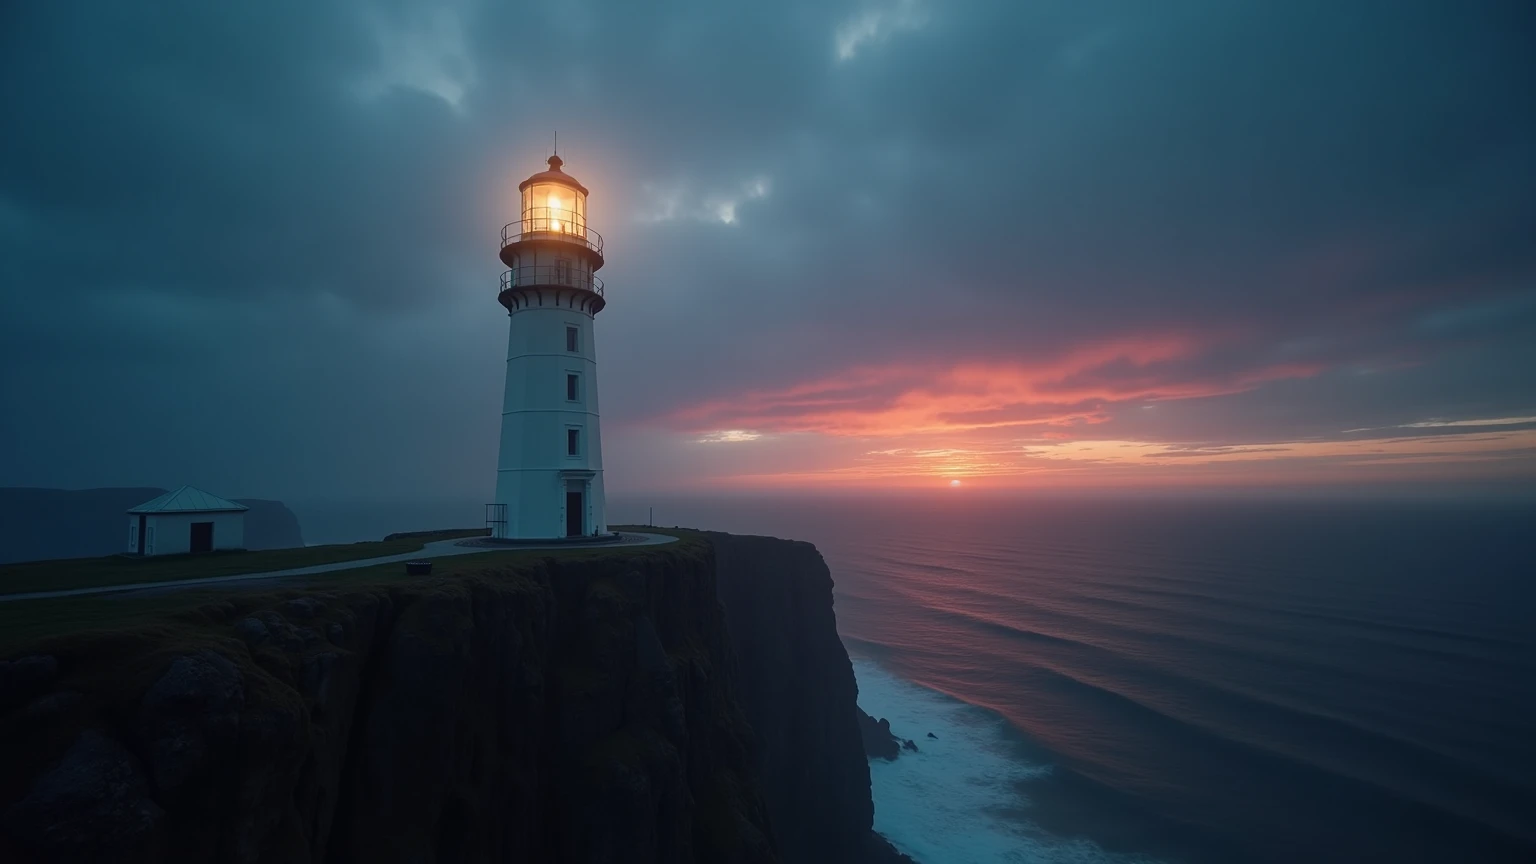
[575, 510]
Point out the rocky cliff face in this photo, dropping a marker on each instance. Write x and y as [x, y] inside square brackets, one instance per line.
[798, 688]
[576, 709]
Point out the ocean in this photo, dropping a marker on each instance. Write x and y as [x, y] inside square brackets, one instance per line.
[1194, 681]
[1167, 680]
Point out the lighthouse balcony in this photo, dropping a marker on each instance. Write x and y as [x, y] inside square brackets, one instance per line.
[532, 276]
[552, 223]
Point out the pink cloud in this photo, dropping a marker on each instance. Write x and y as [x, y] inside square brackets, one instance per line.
[1076, 389]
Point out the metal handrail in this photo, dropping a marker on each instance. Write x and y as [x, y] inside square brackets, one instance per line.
[552, 222]
[546, 276]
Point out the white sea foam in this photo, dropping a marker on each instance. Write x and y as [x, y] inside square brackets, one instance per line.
[956, 801]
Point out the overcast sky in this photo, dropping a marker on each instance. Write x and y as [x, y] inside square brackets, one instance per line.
[252, 246]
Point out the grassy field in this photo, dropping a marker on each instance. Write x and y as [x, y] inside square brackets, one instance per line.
[26, 623]
[64, 574]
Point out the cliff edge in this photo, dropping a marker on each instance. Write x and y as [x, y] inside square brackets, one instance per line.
[582, 707]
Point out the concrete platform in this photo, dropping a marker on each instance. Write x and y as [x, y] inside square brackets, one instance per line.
[616, 537]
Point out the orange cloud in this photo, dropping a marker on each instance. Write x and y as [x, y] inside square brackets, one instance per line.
[1073, 390]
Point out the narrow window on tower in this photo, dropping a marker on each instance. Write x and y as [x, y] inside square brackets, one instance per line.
[572, 387]
[571, 339]
[563, 270]
[573, 442]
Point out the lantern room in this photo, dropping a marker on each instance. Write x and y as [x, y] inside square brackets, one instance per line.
[553, 201]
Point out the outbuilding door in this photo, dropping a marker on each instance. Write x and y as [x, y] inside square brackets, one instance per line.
[202, 537]
[142, 520]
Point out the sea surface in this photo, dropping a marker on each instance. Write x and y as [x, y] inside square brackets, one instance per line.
[1184, 680]
[1168, 680]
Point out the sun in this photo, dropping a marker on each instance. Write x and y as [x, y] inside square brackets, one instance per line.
[954, 483]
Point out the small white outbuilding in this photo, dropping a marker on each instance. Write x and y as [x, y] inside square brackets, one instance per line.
[186, 520]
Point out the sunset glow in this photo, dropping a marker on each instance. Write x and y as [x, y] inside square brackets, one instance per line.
[1090, 414]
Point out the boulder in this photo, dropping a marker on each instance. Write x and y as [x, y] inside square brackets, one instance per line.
[94, 805]
[191, 712]
[25, 677]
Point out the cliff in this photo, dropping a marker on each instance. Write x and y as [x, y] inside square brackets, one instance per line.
[38, 524]
[798, 687]
[581, 707]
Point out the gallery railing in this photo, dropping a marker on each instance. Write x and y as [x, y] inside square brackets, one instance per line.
[544, 276]
[551, 223]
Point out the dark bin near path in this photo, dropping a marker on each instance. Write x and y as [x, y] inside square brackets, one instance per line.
[418, 568]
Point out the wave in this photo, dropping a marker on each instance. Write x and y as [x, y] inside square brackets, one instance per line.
[1183, 645]
[1107, 640]
[959, 799]
[1137, 592]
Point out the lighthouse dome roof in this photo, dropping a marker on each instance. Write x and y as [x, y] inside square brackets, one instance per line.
[553, 175]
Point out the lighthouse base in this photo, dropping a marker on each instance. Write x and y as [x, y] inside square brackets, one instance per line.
[548, 505]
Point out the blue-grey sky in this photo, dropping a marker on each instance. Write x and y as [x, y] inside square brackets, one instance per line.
[252, 246]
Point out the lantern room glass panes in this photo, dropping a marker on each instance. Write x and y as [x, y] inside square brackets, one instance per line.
[555, 208]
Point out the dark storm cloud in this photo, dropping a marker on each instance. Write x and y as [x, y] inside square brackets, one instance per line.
[276, 222]
[197, 149]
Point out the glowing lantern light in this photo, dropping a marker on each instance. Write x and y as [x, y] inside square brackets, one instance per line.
[554, 212]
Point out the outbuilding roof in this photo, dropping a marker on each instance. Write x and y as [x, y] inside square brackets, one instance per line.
[187, 500]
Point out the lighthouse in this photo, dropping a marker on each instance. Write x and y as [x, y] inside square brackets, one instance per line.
[549, 474]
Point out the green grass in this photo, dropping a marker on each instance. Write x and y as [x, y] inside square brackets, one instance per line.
[165, 613]
[64, 574]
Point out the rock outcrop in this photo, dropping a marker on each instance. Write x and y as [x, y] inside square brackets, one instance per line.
[577, 709]
[879, 741]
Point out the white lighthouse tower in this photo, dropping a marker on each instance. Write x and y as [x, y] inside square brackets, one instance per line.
[549, 476]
